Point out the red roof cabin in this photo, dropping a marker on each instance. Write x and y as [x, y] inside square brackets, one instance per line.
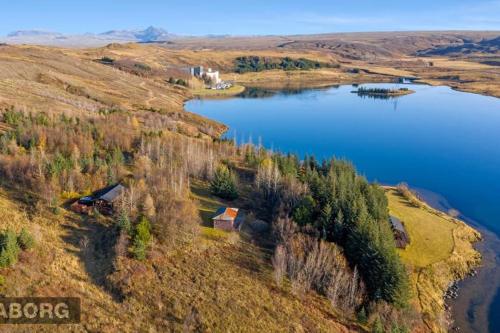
[227, 218]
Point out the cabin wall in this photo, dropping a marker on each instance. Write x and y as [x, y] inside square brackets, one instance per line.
[224, 225]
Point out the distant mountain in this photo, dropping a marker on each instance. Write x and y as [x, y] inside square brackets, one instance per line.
[148, 35]
[31, 33]
[151, 34]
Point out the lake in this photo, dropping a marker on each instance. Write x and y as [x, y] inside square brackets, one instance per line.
[439, 140]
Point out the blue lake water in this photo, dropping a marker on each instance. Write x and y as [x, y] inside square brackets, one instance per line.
[436, 139]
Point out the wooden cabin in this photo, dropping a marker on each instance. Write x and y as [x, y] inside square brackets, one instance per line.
[401, 237]
[103, 200]
[227, 218]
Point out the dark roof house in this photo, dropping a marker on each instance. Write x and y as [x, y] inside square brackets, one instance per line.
[401, 237]
[102, 200]
[111, 194]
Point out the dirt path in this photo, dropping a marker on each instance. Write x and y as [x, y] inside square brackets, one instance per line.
[151, 96]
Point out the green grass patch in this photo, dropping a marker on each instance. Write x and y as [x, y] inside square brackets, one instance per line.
[431, 235]
[203, 92]
[207, 203]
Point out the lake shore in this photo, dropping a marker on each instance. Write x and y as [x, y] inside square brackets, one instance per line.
[473, 310]
[218, 93]
[279, 79]
[441, 252]
[251, 115]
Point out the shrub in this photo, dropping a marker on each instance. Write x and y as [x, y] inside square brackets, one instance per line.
[139, 249]
[9, 248]
[182, 82]
[143, 231]
[107, 60]
[224, 183]
[25, 240]
[124, 222]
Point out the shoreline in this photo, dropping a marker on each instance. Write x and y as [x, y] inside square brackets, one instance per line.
[470, 310]
[458, 317]
[434, 270]
[218, 94]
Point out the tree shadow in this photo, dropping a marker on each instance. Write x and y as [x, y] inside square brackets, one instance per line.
[93, 243]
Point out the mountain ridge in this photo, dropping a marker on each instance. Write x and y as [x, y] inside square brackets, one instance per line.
[42, 37]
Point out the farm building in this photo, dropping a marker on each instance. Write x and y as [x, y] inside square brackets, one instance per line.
[228, 219]
[400, 235]
[103, 200]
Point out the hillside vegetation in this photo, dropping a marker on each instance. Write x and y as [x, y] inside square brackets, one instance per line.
[440, 251]
[316, 252]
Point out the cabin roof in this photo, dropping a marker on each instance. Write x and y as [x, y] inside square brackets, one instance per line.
[397, 224]
[111, 193]
[226, 213]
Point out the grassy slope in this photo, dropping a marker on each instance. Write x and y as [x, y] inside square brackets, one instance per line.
[225, 280]
[440, 252]
[229, 284]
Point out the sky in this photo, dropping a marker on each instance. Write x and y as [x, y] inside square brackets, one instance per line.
[249, 17]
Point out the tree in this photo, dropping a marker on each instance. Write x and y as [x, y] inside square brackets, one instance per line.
[377, 326]
[139, 249]
[303, 212]
[124, 222]
[143, 231]
[224, 183]
[9, 248]
[361, 316]
[142, 237]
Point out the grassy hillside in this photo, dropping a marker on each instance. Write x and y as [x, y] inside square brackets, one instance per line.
[440, 252]
[217, 282]
[70, 125]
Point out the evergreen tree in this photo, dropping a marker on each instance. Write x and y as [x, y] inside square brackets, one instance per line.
[143, 231]
[224, 183]
[139, 249]
[377, 326]
[9, 248]
[361, 316]
[124, 222]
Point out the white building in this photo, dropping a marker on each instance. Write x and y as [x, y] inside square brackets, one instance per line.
[213, 75]
[199, 72]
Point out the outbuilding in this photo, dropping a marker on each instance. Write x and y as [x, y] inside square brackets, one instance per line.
[227, 218]
[401, 237]
[103, 200]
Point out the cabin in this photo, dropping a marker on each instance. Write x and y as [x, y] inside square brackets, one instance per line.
[401, 237]
[228, 219]
[104, 200]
